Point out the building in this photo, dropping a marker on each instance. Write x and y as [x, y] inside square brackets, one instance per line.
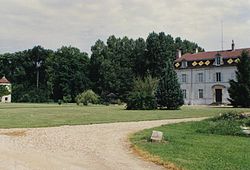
[5, 82]
[204, 76]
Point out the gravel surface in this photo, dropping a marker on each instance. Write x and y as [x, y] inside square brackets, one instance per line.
[91, 147]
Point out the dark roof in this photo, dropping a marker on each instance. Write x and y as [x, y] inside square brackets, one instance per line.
[4, 80]
[211, 55]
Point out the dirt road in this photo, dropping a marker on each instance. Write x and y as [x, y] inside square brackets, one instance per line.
[90, 147]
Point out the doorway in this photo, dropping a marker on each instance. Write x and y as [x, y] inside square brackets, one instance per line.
[218, 95]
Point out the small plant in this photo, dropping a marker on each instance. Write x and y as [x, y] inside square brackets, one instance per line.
[87, 97]
[225, 124]
[229, 116]
[67, 99]
[59, 101]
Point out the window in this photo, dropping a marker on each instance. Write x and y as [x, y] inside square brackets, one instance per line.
[200, 94]
[183, 78]
[6, 99]
[184, 64]
[218, 77]
[184, 92]
[200, 77]
[217, 60]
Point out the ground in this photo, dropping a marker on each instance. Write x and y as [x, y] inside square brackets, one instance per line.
[99, 146]
[88, 144]
[46, 115]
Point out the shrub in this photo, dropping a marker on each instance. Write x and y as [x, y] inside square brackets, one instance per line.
[229, 116]
[222, 127]
[225, 124]
[59, 101]
[87, 97]
[142, 97]
[67, 99]
[141, 101]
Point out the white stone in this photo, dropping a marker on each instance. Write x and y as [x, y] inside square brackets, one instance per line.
[156, 136]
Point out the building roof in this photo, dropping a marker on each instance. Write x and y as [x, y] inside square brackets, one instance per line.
[212, 54]
[4, 80]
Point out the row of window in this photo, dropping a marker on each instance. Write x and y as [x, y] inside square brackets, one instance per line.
[200, 93]
[200, 77]
[218, 62]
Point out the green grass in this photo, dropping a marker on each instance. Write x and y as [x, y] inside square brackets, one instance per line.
[189, 149]
[43, 115]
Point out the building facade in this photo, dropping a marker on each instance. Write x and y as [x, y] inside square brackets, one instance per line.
[5, 82]
[204, 76]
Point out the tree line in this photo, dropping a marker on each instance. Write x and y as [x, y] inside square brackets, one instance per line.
[44, 75]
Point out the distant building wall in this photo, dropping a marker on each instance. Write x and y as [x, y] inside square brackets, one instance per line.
[7, 98]
[202, 84]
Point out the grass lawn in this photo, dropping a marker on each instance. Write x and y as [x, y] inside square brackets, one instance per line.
[15, 115]
[189, 149]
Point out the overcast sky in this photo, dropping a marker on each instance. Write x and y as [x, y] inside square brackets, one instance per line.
[79, 23]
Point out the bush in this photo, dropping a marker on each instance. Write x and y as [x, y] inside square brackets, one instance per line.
[141, 101]
[247, 122]
[225, 124]
[231, 116]
[59, 101]
[67, 99]
[222, 127]
[87, 97]
[142, 97]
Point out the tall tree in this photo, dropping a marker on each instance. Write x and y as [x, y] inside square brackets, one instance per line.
[98, 56]
[140, 60]
[159, 50]
[239, 90]
[169, 94]
[68, 72]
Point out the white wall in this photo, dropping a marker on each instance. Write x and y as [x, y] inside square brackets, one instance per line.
[7, 98]
[192, 85]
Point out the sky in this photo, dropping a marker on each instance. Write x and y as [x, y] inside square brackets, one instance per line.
[80, 23]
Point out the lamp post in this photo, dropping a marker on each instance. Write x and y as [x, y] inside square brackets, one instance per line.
[38, 65]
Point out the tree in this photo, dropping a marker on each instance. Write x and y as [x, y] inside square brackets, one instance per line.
[68, 73]
[239, 90]
[3, 91]
[169, 94]
[142, 97]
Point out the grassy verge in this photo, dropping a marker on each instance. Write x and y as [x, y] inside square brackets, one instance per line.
[43, 115]
[189, 149]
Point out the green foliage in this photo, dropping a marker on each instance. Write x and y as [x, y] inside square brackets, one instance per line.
[3, 91]
[67, 71]
[239, 90]
[229, 116]
[221, 127]
[188, 149]
[142, 97]
[87, 97]
[169, 94]
[67, 99]
[226, 124]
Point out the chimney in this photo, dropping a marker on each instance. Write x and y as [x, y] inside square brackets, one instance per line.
[178, 54]
[196, 50]
[233, 45]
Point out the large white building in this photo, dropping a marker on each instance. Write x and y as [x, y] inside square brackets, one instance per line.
[204, 76]
[5, 82]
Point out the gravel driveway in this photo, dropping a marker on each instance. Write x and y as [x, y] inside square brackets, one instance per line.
[91, 147]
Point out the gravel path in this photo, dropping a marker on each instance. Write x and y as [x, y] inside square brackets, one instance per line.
[91, 147]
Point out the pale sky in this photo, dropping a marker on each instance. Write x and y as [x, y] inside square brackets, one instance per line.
[79, 23]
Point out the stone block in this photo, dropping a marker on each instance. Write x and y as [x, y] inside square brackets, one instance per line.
[156, 136]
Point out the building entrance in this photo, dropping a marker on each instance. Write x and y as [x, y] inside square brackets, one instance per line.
[218, 95]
